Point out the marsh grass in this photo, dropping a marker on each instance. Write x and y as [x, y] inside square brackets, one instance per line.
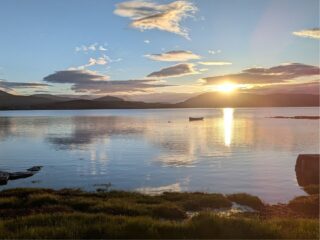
[79, 225]
[45, 213]
[247, 200]
[198, 201]
[307, 205]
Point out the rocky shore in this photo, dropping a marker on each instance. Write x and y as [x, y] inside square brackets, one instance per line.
[6, 176]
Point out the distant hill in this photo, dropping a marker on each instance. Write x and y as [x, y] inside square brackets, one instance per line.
[214, 99]
[109, 99]
[10, 101]
[205, 100]
[93, 104]
[52, 97]
[2, 93]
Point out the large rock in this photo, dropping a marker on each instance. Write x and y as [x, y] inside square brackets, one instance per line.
[17, 175]
[34, 169]
[307, 169]
[4, 177]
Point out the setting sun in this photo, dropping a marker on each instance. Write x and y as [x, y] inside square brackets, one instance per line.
[159, 119]
[226, 87]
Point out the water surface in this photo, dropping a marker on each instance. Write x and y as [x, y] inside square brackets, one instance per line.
[232, 150]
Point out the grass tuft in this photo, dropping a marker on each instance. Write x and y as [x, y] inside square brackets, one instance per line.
[198, 201]
[38, 200]
[247, 200]
[168, 211]
[307, 205]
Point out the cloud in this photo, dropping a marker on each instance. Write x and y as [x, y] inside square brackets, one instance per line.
[214, 52]
[92, 47]
[146, 41]
[214, 63]
[75, 76]
[306, 88]
[308, 33]
[118, 86]
[275, 74]
[173, 56]
[165, 97]
[147, 15]
[20, 85]
[95, 61]
[90, 81]
[102, 48]
[175, 71]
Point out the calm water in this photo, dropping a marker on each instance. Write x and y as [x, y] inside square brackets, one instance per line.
[232, 150]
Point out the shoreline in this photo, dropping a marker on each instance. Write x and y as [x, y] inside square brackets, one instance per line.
[47, 213]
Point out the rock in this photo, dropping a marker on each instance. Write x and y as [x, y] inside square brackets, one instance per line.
[307, 169]
[34, 168]
[4, 177]
[17, 175]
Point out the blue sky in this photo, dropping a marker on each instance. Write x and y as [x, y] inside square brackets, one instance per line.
[40, 37]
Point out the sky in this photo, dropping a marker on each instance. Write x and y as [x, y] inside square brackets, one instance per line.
[158, 50]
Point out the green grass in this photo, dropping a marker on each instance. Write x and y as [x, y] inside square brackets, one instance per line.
[198, 201]
[72, 213]
[9, 202]
[246, 199]
[78, 225]
[40, 199]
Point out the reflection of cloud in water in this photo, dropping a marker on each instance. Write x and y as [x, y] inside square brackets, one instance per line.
[178, 143]
[86, 130]
[6, 128]
[177, 159]
[176, 187]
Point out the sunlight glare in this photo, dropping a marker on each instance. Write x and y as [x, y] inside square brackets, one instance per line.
[227, 87]
[228, 125]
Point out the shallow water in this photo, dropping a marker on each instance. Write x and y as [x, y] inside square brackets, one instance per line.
[232, 150]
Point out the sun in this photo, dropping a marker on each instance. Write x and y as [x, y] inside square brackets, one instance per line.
[226, 87]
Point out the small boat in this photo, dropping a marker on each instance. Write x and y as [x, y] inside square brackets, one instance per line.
[195, 118]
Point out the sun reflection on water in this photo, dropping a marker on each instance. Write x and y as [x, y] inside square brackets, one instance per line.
[228, 125]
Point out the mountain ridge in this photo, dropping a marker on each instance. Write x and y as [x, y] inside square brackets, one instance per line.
[205, 100]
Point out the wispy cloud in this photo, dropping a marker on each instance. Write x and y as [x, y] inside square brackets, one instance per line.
[175, 71]
[92, 47]
[103, 60]
[95, 83]
[147, 15]
[308, 33]
[102, 48]
[290, 87]
[214, 63]
[147, 41]
[173, 56]
[212, 52]
[6, 85]
[275, 74]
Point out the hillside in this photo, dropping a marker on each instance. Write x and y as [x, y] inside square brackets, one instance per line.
[250, 100]
[205, 100]
[10, 101]
[109, 99]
